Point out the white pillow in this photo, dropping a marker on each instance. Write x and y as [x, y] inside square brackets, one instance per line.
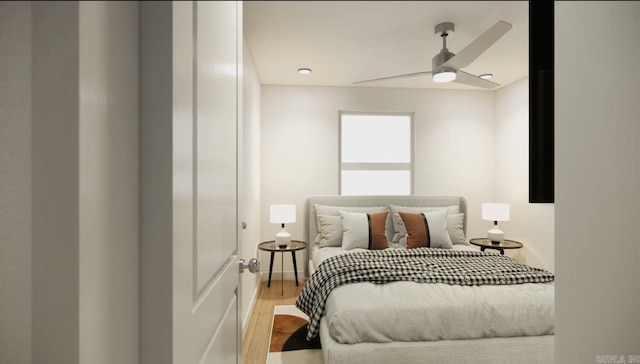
[455, 228]
[401, 231]
[333, 210]
[330, 230]
[438, 234]
[359, 230]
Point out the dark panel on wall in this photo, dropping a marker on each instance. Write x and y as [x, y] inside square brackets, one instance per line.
[541, 102]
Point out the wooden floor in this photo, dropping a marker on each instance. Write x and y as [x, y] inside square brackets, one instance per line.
[256, 340]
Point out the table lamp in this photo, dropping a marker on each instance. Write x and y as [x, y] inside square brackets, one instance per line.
[495, 212]
[282, 214]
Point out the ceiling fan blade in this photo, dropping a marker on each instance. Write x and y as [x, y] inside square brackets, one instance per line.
[406, 75]
[471, 80]
[478, 46]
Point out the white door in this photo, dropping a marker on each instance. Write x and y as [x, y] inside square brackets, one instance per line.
[215, 302]
[191, 77]
[209, 325]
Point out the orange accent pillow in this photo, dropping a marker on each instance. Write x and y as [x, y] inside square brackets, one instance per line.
[417, 230]
[378, 230]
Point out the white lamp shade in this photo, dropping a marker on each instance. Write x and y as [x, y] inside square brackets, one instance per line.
[495, 211]
[282, 214]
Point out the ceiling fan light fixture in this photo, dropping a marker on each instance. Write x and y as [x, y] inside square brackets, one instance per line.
[444, 76]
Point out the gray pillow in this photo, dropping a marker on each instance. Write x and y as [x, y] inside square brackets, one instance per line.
[330, 230]
[455, 228]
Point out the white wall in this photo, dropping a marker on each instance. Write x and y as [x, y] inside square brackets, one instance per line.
[55, 123]
[250, 182]
[454, 146]
[597, 177]
[157, 135]
[85, 182]
[15, 182]
[108, 173]
[531, 224]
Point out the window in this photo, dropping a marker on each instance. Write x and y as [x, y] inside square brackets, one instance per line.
[376, 154]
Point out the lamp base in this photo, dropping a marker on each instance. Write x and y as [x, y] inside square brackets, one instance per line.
[495, 235]
[283, 238]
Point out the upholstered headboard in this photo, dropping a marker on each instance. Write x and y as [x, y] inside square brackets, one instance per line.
[311, 228]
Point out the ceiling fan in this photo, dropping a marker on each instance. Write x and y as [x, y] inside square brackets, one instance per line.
[446, 66]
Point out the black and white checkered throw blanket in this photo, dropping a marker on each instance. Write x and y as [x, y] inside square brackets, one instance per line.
[422, 265]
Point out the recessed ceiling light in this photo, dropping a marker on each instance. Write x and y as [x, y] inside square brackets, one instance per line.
[304, 71]
[486, 76]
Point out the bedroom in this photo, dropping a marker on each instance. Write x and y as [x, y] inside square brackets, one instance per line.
[479, 151]
[295, 114]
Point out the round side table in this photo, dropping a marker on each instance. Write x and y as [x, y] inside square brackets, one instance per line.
[273, 248]
[485, 243]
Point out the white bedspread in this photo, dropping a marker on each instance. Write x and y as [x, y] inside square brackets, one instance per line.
[408, 311]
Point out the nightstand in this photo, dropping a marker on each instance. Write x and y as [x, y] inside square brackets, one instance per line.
[274, 248]
[485, 243]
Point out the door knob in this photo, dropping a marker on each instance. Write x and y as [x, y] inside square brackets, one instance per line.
[253, 265]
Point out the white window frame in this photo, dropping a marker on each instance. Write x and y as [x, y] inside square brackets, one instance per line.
[376, 166]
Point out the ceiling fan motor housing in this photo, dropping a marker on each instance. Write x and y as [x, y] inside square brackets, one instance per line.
[443, 30]
[440, 59]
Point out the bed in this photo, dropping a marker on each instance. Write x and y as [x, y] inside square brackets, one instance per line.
[409, 322]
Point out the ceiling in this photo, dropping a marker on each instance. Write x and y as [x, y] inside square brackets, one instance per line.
[347, 41]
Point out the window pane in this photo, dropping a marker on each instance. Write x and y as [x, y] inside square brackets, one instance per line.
[376, 183]
[376, 139]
